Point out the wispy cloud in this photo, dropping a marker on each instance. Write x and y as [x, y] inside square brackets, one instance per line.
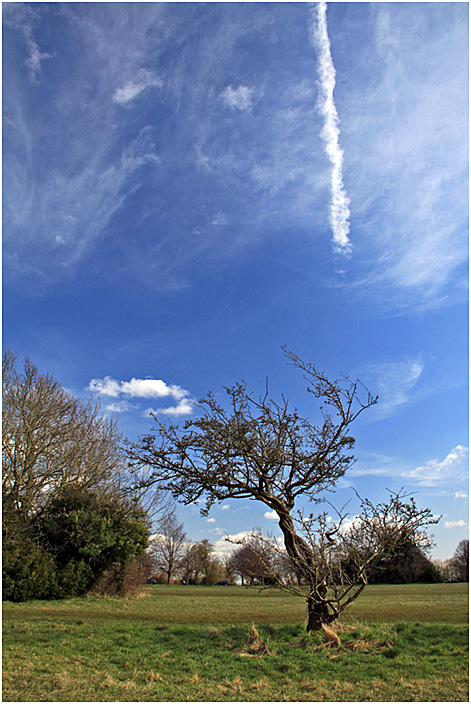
[23, 18]
[456, 524]
[339, 203]
[394, 382]
[144, 79]
[120, 407]
[452, 470]
[199, 148]
[36, 56]
[407, 143]
[436, 471]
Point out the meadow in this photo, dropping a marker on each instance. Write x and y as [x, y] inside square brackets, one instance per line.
[186, 643]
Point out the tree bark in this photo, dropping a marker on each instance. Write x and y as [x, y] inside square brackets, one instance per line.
[318, 614]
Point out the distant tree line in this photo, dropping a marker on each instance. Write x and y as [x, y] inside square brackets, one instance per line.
[263, 561]
[68, 525]
[456, 569]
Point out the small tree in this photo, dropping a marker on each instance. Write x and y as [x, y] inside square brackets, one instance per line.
[262, 450]
[255, 561]
[167, 547]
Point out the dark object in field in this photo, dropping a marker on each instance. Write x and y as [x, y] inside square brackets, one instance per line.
[222, 583]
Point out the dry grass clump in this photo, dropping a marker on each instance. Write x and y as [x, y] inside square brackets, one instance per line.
[330, 636]
[254, 645]
[235, 685]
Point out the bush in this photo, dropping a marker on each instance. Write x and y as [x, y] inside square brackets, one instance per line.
[28, 572]
[82, 539]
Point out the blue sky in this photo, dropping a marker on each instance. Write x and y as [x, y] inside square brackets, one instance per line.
[189, 186]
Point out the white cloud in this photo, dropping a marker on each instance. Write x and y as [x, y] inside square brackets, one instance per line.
[106, 386]
[210, 520]
[394, 383]
[223, 548]
[35, 57]
[339, 201]
[434, 472]
[184, 407]
[238, 99]
[219, 219]
[147, 388]
[272, 515]
[461, 495]
[349, 523]
[143, 388]
[144, 79]
[456, 524]
[437, 471]
[225, 507]
[120, 407]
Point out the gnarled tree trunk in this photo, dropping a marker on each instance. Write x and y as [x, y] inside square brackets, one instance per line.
[318, 613]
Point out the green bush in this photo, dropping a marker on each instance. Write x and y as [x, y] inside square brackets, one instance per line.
[28, 572]
[80, 539]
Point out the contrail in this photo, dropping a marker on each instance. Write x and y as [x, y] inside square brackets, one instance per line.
[339, 201]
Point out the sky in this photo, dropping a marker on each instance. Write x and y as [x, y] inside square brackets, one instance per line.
[187, 187]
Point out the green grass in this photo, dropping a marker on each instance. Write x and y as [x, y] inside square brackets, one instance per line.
[398, 643]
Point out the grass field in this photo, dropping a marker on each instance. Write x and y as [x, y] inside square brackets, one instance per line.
[398, 643]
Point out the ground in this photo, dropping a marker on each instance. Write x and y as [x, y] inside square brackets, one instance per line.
[185, 643]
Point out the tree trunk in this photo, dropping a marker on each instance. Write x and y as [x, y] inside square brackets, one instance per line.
[297, 548]
[318, 614]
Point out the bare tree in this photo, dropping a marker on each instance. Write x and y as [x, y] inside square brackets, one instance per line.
[52, 440]
[262, 450]
[167, 547]
[459, 563]
[207, 568]
[187, 562]
[255, 561]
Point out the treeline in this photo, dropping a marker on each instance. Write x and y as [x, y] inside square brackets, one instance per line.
[68, 524]
[171, 557]
[456, 569]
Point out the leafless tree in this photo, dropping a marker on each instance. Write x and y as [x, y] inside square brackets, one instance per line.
[255, 561]
[262, 450]
[459, 563]
[52, 439]
[167, 546]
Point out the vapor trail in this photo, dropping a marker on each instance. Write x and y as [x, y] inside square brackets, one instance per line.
[339, 201]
